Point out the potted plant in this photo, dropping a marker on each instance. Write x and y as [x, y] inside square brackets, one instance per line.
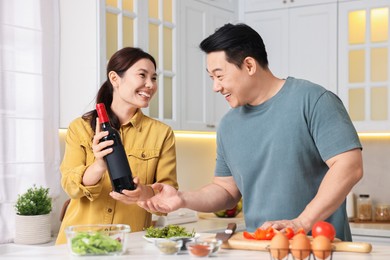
[32, 220]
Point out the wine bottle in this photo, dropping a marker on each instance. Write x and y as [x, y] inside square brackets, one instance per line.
[117, 163]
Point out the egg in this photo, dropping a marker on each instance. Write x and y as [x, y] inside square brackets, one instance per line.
[279, 246]
[300, 246]
[321, 246]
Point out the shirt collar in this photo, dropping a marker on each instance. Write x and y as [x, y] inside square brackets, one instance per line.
[136, 120]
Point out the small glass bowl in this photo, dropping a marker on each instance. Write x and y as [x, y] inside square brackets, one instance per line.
[86, 240]
[168, 246]
[185, 241]
[216, 245]
[200, 248]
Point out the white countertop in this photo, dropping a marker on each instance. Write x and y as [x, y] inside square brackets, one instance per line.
[206, 225]
[138, 247]
[370, 229]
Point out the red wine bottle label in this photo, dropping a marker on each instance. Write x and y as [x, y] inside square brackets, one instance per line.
[102, 113]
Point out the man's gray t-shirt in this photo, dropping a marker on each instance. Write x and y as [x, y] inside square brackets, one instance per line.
[276, 151]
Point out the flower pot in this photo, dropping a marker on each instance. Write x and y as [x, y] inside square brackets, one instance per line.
[30, 230]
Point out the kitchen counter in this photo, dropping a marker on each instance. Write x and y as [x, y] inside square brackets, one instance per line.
[138, 247]
[371, 229]
[207, 224]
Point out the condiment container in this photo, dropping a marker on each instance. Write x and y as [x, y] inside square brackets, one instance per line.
[200, 249]
[169, 247]
[382, 212]
[364, 207]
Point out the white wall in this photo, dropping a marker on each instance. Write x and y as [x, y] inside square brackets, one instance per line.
[79, 58]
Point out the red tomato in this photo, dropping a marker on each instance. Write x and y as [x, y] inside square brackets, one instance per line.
[289, 233]
[324, 228]
[264, 234]
[248, 235]
[301, 231]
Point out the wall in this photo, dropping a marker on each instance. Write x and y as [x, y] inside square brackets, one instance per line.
[376, 159]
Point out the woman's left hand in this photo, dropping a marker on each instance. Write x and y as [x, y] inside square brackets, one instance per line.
[141, 193]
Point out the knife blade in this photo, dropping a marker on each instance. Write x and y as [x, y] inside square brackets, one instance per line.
[229, 231]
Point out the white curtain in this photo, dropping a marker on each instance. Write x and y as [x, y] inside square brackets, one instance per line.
[29, 109]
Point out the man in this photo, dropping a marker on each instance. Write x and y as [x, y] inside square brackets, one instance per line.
[287, 146]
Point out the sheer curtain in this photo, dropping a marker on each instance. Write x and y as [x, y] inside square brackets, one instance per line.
[29, 109]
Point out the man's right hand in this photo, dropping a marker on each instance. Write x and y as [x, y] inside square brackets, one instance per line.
[166, 200]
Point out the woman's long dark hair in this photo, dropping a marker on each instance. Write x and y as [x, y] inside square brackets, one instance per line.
[120, 62]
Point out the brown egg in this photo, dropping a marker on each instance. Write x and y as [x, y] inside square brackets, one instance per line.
[279, 246]
[300, 246]
[321, 246]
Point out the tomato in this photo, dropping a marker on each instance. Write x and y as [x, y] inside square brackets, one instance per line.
[301, 231]
[324, 228]
[260, 234]
[264, 234]
[289, 233]
[248, 235]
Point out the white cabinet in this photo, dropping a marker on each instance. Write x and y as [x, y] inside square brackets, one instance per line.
[230, 5]
[364, 70]
[301, 41]
[261, 5]
[201, 109]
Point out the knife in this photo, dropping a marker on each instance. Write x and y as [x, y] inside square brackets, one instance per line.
[229, 231]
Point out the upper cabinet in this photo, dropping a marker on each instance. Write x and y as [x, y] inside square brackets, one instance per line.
[201, 109]
[364, 63]
[262, 5]
[300, 38]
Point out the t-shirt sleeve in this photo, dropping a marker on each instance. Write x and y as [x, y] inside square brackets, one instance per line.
[221, 167]
[331, 127]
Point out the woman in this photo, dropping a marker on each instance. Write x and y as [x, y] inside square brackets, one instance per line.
[150, 146]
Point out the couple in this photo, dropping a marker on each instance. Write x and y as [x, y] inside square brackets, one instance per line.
[287, 146]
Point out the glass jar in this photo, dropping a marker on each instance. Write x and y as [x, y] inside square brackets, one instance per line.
[382, 212]
[364, 207]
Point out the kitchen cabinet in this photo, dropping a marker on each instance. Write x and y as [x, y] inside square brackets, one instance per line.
[230, 5]
[301, 40]
[201, 109]
[262, 5]
[364, 63]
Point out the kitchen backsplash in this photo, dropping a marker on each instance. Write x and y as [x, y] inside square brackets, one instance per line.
[376, 179]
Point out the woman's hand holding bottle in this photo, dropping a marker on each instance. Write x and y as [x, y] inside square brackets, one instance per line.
[95, 171]
[141, 193]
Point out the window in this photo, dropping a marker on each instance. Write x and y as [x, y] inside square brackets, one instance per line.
[151, 26]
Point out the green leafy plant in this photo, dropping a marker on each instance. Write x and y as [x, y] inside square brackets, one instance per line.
[35, 201]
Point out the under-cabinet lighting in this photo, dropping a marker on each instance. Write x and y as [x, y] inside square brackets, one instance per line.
[374, 135]
[193, 134]
[212, 135]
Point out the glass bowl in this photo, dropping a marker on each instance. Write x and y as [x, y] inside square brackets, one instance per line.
[185, 241]
[87, 240]
[168, 246]
[216, 244]
[200, 249]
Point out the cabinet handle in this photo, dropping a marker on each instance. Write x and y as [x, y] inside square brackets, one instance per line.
[210, 126]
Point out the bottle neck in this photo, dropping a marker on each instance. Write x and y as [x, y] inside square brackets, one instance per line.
[105, 126]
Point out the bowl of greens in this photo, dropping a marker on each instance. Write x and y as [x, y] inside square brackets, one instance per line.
[87, 240]
[172, 232]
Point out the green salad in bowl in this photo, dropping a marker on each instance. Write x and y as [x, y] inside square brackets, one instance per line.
[86, 240]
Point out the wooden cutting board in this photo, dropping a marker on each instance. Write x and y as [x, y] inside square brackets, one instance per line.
[237, 241]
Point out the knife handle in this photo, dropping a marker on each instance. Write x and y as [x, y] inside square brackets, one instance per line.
[232, 227]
